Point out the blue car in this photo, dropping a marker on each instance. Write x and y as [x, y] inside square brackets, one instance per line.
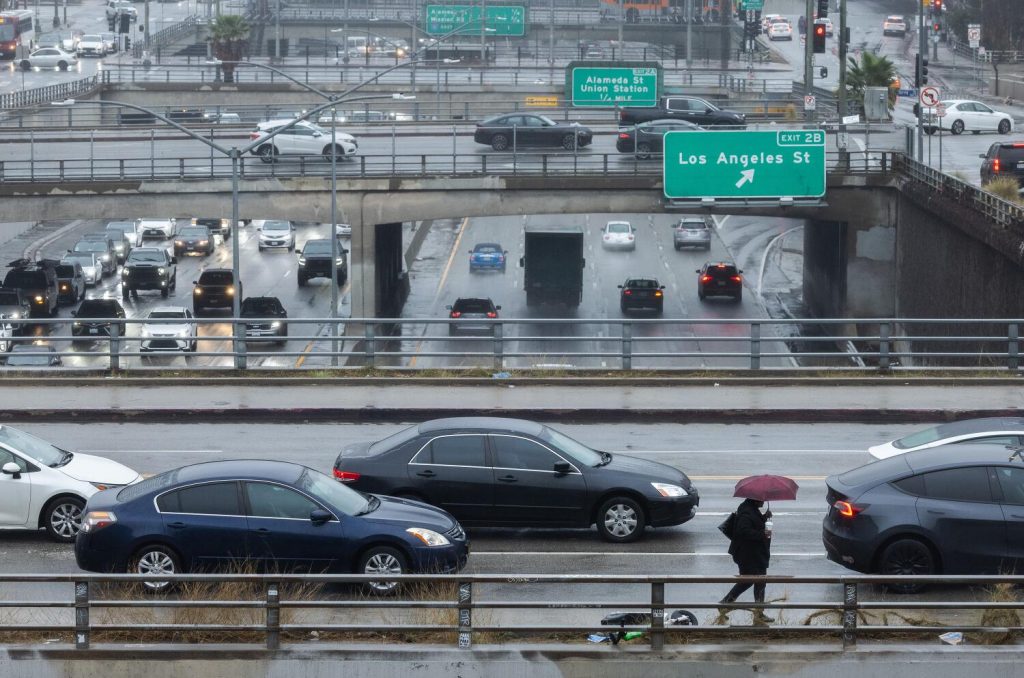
[274, 516]
[487, 256]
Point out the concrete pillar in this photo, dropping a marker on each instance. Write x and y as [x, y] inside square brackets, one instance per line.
[362, 267]
[392, 286]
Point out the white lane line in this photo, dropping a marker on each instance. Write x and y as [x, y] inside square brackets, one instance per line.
[636, 554]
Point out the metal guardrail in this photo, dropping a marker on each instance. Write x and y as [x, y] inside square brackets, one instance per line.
[166, 35]
[535, 343]
[44, 95]
[455, 608]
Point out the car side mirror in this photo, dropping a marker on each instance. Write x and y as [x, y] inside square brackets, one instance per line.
[662, 287]
[497, 308]
[562, 467]
[448, 308]
[983, 156]
[12, 469]
[319, 516]
[174, 260]
[195, 282]
[259, 228]
[739, 270]
[522, 262]
[619, 286]
[470, 251]
[504, 251]
[696, 270]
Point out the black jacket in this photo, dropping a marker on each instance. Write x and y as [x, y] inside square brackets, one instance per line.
[749, 544]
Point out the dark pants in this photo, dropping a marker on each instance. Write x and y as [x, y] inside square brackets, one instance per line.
[759, 589]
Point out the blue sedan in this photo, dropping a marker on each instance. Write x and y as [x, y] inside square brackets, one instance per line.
[487, 256]
[276, 516]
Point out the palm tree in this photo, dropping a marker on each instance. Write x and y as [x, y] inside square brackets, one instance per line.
[230, 36]
[872, 71]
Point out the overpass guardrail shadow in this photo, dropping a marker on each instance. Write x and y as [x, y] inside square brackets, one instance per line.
[464, 610]
[536, 345]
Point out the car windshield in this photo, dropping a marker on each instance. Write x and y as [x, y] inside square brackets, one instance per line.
[26, 443]
[488, 249]
[276, 226]
[618, 227]
[190, 232]
[547, 121]
[144, 255]
[318, 247]
[115, 234]
[82, 259]
[261, 305]
[65, 271]
[216, 278]
[97, 308]
[123, 226]
[91, 38]
[333, 493]
[577, 450]
[167, 314]
[91, 246]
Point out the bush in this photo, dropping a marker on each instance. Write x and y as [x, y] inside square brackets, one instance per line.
[1006, 188]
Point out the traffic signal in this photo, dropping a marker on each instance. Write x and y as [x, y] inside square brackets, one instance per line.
[819, 38]
[127, 43]
[822, 9]
[920, 71]
[125, 24]
[937, 6]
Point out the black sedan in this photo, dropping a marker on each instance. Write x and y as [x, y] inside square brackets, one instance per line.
[648, 138]
[495, 472]
[504, 132]
[265, 319]
[272, 515]
[641, 294]
[955, 509]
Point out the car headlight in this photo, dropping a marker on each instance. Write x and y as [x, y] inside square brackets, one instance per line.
[231, 291]
[15, 315]
[105, 257]
[77, 324]
[667, 490]
[39, 299]
[125, 271]
[223, 223]
[161, 271]
[179, 242]
[428, 537]
[339, 261]
[276, 324]
[204, 242]
[183, 333]
[302, 260]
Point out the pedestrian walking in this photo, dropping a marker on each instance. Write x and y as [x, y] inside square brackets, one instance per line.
[750, 548]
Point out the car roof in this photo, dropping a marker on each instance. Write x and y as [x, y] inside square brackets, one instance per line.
[487, 244]
[255, 469]
[482, 423]
[282, 121]
[149, 249]
[966, 426]
[486, 300]
[882, 471]
[216, 270]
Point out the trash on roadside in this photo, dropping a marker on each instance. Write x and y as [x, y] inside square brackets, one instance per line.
[598, 638]
[952, 638]
[501, 375]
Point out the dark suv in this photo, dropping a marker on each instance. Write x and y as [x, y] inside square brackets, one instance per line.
[265, 308]
[215, 290]
[719, 279]
[641, 294]
[15, 306]
[954, 509]
[220, 226]
[470, 316]
[94, 318]
[1003, 160]
[149, 268]
[37, 281]
[315, 262]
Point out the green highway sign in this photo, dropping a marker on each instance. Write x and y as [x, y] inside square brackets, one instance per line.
[637, 84]
[753, 5]
[744, 164]
[505, 20]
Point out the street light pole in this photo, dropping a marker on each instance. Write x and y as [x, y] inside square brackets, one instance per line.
[689, 34]
[842, 57]
[277, 30]
[483, 32]
[334, 238]
[809, 59]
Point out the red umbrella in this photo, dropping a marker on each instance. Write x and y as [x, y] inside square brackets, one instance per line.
[766, 488]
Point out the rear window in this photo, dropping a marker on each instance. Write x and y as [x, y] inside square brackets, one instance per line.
[473, 305]
[1011, 153]
[642, 284]
[216, 278]
[695, 224]
[487, 249]
[25, 279]
[65, 271]
[720, 271]
[876, 472]
[618, 227]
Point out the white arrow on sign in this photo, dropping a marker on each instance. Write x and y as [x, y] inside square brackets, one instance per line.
[747, 177]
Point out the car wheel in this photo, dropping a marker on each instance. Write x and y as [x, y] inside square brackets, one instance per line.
[26, 65]
[701, 295]
[261, 248]
[62, 65]
[1004, 126]
[165, 292]
[382, 560]
[620, 520]
[499, 142]
[569, 142]
[267, 153]
[63, 518]
[301, 281]
[152, 560]
[194, 347]
[643, 151]
[739, 296]
[339, 153]
[929, 130]
[906, 557]
[958, 127]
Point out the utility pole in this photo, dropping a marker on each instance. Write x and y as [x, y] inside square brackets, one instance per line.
[277, 30]
[809, 58]
[922, 48]
[483, 32]
[622, 20]
[689, 34]
[551, 37]
[843, 47]
[725, 9]
[145, 37]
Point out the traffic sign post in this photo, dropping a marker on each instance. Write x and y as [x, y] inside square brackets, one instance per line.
[629, 84]
[974, 35]
[744, 164]
[810, 103]
[930, 96]
[507, 20]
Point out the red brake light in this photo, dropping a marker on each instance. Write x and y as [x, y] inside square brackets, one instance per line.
[1017, 145]
[995, 165]
[627, 292]
[492, 314]
[705, 278]
[455, 314]
[253, 136]
[736, 278]
[720, 266]
[346, 476]
[846, 509]
[623, 135]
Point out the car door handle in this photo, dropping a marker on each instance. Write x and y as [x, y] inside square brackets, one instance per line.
[937, 513]
[427, 474]
[508, 479]
[261, 530]
[176, 526]
[1017, 515]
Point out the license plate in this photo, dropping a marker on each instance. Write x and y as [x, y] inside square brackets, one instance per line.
[94, 330]
[721, 283]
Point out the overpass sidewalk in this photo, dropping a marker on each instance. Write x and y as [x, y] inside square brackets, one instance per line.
[571, 399]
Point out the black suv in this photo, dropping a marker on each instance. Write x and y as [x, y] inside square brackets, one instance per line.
[264, 308]
[37, 281]
[470, 316]
[215, 290]
[149, 268]
[719, 279]
[1003, 160]
[315, 262]
[641, 294]
[14, 305]
[220, 226]
[70, 282]
[94, 318]
[196, 239]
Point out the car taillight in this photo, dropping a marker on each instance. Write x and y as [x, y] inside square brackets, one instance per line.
[253, 136]
[735, 278]
[627, 292]
[846, 509]
[492, 314]
[657, 293]
[346, 476]
[705, 278]
[623, 135]
[995, 165]
[455, 314]
[97, 520]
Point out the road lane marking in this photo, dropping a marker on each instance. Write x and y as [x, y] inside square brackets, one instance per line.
[451, 258]
[309, 347]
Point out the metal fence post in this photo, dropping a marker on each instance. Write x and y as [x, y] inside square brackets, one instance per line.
[658, 616]
[465, 615]
[1014, 346]
[273, 616]
[239, 346]
[883, 346]
[627, 346]
[755, 346]
[499, 347]
[115, 347]
[81, 615]
[370, 345]
[849, 616]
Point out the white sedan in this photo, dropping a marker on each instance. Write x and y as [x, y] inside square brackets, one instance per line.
[1008, 431]
[49, 58]
[169, 335]
[44, 486]
[780, 30]
[963, 115]
[619, 235]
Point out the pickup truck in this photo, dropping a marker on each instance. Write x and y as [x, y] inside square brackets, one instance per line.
[691, 109]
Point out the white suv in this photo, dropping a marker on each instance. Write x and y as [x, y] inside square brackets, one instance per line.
[304, 138]
[121, 6]
[91, 45]
[161, 228]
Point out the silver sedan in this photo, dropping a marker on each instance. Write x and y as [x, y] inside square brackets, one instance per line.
[49, 58]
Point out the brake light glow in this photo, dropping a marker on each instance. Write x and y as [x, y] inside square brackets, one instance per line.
[657, 293]
[253, 136]
[720, 266]
[346, 476]
[97, 520]
[627, 292]
[705, 278]
[995, 165]
[1017, 145]
[623, 135]
[735, 278]
[455, 314]
[492, 314]
[846, 509]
